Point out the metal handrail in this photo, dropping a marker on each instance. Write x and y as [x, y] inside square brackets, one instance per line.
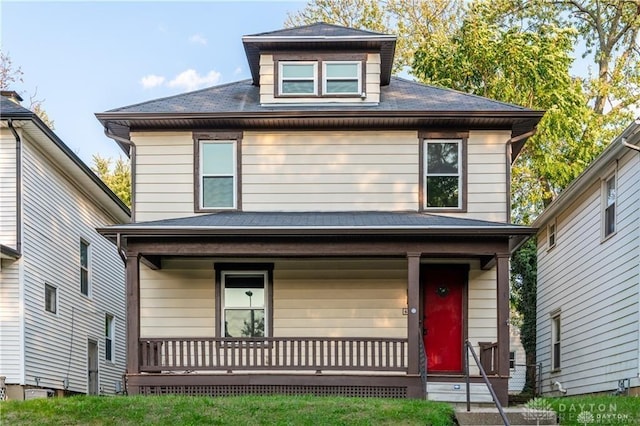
[486, 381]
[422, 359]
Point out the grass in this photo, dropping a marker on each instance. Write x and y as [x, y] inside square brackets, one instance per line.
[242, 410]
[601, 410]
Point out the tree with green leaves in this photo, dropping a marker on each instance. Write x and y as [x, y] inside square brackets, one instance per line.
[115, 174]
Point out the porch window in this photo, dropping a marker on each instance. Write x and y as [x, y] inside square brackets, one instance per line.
[218, 174]
[244, 303]
[298, 78]
[555, 342]
[50, 298]
[109, 331]
[341, 78]
[84, 267]
[609, 205]
[443, 174]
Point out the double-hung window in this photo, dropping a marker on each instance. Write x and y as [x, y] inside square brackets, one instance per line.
[443, 178]
[555, 341]
[109, 332]
[218, 174]
[609, 205]
[298, 78]
[551, 234]
[50, 298]
[84, 267]
[341, 78]
[244, 303]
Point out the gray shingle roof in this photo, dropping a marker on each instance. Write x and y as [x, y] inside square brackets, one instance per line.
[8, 108]
[314, 220]
[319, 29]
[243, 97]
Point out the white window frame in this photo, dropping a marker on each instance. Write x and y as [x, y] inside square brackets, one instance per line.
[85, 268]
[281, 79]
[459, 175]
[234, 175]
[48, 286]
[223, 276]
[325, 78]
[552, 234]
[109, 335]
[556, 340]
[606, 205]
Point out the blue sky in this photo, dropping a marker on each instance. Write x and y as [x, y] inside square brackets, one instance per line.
[88, 57]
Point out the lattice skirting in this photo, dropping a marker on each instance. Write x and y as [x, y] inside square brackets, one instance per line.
[233, 390]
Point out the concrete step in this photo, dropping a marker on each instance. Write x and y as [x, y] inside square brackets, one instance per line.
[517, 416]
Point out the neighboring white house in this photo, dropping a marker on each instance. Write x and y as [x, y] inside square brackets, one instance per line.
[62, 294]
[588, 321]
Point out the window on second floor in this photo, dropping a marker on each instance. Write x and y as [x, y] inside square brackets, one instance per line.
[609, 205]
[443, 174]
[341, 78]
[217, 174]
[298, 78]
[551, 234]
[84, 268]
[109, 333]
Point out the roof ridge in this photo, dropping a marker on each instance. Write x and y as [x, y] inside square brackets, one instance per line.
[315, 24]
[231, 83]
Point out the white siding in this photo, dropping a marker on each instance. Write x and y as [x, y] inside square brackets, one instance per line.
[7, 189]
[11, 355]
[595, 285]
[337, 171]
[267, 85]
[56, 216]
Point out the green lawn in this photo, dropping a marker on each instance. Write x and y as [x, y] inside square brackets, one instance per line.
[597, 410]
[245, 410]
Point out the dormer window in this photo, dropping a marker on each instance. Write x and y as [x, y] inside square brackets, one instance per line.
[298, 78]
[312, 76]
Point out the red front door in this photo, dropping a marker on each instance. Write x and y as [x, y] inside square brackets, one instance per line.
[444, 287]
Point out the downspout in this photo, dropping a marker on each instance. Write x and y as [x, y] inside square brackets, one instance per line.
[508, 149]
[129, 143]
[121, 252]
[18, 186]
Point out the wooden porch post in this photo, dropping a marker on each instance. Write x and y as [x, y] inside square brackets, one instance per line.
[133, 317]
[413, 317]
[502, 269]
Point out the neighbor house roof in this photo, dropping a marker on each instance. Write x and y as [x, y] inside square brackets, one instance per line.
[62, 155]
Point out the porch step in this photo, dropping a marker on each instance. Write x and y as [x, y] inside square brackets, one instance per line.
[517, 416]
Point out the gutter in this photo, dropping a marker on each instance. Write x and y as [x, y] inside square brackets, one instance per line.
[129, 143]
[18, 186]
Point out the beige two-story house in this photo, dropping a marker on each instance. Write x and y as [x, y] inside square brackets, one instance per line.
[323, 227]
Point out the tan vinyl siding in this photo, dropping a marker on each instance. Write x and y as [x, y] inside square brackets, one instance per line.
[340, 298]
[57, 215]
[11, 353]
[267, 85]
[595, 285]
[338, 171]
[164, 175]
[7, 189]
[178, 300]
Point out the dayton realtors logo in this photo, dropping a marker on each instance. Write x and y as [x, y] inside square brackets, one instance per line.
[593, 414]
[538, 409]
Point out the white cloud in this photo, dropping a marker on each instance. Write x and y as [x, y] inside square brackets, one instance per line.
[191, 80]
[198, 39]
[237, 71]
[150, 81]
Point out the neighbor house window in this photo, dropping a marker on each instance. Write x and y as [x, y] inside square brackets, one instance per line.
[512, 360]
[551, 234]
[244, 302]
[84, 267]
[609, 213]
[555, 342]
[443, 174]
[341, 78]
[218, 174]
[298, 78]
[50, 299]
[109, 332]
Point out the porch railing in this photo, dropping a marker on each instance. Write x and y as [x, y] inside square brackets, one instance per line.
[273, 353]
[489, 357]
